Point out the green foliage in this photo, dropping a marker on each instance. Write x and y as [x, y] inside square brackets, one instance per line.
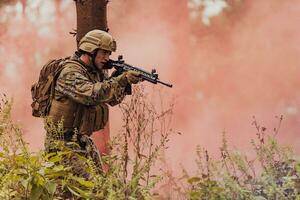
[26, 175]
[66, 173]
[272, 174]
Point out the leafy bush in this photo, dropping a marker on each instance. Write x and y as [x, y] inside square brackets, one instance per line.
[26, 175]
[273, 173]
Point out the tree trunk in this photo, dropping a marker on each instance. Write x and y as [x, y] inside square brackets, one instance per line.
[91, 14]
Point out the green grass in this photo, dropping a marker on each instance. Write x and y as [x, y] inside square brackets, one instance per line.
[272, 174]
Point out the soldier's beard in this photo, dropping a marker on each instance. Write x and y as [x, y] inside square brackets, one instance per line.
[100, 66]
[94, 64]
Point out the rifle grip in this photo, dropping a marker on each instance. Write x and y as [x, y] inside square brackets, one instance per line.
[128, 89]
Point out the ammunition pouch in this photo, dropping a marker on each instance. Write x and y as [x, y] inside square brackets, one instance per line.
[86, 119]
[93, 119]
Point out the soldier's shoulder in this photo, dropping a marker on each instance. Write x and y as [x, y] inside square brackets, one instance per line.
[72, 66]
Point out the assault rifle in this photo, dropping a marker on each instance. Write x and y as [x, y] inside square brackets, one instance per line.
[120, 67]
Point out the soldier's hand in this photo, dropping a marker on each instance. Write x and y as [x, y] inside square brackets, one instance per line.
[129, 77]
[132, 77]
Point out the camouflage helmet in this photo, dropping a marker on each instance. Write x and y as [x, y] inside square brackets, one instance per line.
[97, 39]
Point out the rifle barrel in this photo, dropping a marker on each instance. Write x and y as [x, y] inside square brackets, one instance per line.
[166, 84]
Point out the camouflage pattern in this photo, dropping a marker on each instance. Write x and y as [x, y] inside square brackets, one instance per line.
[133, 77]
[80, 100]
[88, 86]
[83, 91]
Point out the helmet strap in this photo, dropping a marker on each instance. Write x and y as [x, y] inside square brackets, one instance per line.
[93, 55]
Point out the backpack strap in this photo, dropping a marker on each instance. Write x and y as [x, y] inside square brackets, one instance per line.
[53, 77]
[79, 110]
[77, 63]
[48, 84]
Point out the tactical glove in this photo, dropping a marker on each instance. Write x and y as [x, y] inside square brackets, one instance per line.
[129, 77]
[132, 77]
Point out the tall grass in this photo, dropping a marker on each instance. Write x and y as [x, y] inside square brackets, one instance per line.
[272, 174]
[26, 175]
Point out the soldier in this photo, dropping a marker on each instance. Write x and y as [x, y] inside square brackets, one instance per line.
[83, 92]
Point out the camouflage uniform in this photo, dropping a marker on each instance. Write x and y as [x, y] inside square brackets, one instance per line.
[82, 94]
[80, 100]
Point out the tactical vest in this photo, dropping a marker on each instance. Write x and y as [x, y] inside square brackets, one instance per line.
[85, 118]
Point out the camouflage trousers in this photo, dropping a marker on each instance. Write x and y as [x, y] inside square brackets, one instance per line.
[81, 145]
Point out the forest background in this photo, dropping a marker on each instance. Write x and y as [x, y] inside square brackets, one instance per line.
[228, 60]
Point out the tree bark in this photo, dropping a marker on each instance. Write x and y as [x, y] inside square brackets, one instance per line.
[91, 14]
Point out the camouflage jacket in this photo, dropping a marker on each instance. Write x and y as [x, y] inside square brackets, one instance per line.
[88, 86]
[81, 97]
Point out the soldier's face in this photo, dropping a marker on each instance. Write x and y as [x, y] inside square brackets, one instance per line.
[101, 58]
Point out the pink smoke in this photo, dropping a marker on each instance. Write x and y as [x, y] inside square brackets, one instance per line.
[244, 64]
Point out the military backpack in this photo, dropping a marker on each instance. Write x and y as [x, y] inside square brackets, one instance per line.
[43, 90]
